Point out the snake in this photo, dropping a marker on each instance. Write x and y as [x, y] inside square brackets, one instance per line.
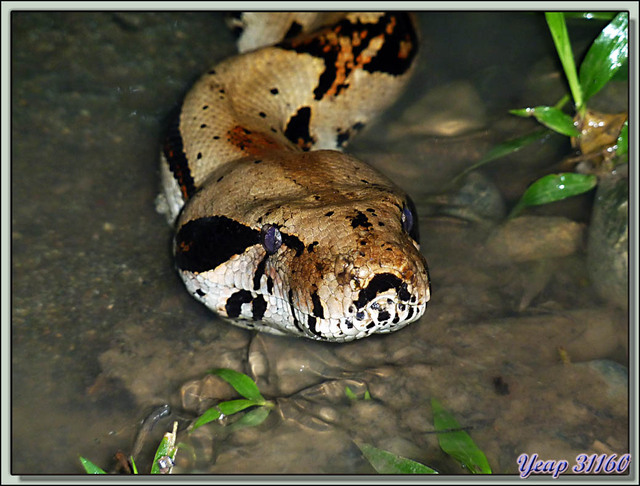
[276, 228]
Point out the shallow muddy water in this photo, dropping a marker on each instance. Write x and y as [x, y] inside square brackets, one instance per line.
[515, 341]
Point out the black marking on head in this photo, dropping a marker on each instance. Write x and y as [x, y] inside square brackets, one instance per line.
[235, 301]
[371, 325]
[410, 313]
[360, 220]
[403, 293]
[274, 91]
[294, 243]
[348, 323]
[330, 213]
[269, 284]
[200, 293]
[257, 161]
[176, 158]
[383, 316]
[311, 322]
[259, 307]
[297, 129]
[204, 125]
[203, 244]
[379, 283]
[293, 314]
[311, 248]
[262, 114]
[257, 276]
[318, 311]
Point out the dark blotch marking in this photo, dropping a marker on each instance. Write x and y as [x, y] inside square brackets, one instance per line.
[235, 301]
[274, 91]
[297, 129]
[360, 220]
[330, 213]
[293, 242]
[379, 283]
[312, 327]
[257, 161]
[176, 158]
[311, 248]
[205, 243]
[200, 293]
[269, 284]
[318, 311]
[384, 316]
[295, 319]
[259, 272]
[294, 30]
[259, 307]
[404, 294]
[262, 114]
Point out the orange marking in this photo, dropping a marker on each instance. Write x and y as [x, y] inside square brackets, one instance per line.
[252, 143]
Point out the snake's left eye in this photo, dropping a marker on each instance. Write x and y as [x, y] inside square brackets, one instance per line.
[410, 220]
[271, 238]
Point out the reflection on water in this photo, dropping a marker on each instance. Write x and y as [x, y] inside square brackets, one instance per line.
[103, 332]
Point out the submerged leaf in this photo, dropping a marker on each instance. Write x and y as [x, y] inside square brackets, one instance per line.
[606, 56]
[457, 443]
[551, 117]
[385, 462]
[554, 187]
[252, 418]
[208, 416]
[235, 406]
[244, 385]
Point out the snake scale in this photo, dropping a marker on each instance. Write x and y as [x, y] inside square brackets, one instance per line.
[276, 229]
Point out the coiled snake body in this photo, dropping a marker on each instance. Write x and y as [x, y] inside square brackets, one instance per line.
[276, 229]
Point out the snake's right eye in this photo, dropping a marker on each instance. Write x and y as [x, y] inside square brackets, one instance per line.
[271, 238]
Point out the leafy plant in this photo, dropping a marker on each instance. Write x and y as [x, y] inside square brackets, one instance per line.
[246, 387]
[607, 58]
[452, 439]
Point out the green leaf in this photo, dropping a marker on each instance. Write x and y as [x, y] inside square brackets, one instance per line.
[623, 140]
[502, 149]
[167, 447]
[560, 35]
[90, 467]
[606, 56]
[388, 463]
[252, 418]
[550, 117]
[457, 443]
[590, 15]
[133, 465]
[208, 416]
[554, 187]
[244, 385]
[349, 393]
[235, 406]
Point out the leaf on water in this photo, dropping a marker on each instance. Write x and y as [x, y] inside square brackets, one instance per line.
[244, 385]
[167, 448]
[349, 393]
[234, 406]
[208, 416]
[550, 117]
[457, 443]
[554, 187]
[606, 56]
[385, 462]
[558, 29]
[90, 467]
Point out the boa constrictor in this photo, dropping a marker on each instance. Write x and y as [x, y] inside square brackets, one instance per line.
[276, 228]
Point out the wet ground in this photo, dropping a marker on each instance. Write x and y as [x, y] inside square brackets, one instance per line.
[515, 343]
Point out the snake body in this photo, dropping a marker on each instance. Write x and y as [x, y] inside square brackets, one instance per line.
[276, 228]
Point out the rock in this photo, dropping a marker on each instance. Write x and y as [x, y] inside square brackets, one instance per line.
[608, 242]
[529, 238]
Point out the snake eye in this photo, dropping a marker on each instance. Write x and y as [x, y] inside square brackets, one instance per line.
[410, 220]
[271, 238]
